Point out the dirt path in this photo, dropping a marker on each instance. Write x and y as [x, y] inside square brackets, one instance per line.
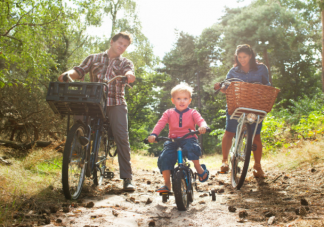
[290, 198]
[144, 207]
[284, 199]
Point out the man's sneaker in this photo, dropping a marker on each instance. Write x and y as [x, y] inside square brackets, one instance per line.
[128, 185]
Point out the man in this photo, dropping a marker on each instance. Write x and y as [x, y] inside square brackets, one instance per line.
[105, 66]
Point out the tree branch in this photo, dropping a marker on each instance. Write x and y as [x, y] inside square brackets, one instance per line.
[17, 24]
[78, 46]
[29, 24]
[11, 37]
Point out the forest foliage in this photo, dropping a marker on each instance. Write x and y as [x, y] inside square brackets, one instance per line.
[41, 39]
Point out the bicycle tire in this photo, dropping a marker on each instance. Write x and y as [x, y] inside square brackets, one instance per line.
[74, 166]
[180, 191]
[241, 156]
[191, 192]
[99, 171]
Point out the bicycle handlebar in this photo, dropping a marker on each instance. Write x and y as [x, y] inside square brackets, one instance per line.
[225, 83]
[158, 139]
[67, 78]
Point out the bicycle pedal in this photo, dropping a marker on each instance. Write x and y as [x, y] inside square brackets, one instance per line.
[165, 193]
[222, 172]
[109, 175]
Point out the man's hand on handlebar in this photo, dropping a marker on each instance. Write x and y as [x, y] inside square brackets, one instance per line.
[72, 73]
[130, 77]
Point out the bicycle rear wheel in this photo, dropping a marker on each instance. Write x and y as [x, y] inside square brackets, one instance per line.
[241, 158]
[74, 166]
[180, 191]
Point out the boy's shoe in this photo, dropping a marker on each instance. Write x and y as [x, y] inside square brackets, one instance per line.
[224, 167]
[203, 174]
[128, 185]
[163, 189]
[258, 172]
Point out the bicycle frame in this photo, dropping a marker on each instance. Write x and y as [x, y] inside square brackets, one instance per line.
[240, 114]
[185, 167]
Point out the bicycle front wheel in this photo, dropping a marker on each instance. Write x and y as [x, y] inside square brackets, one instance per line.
[100, 167]
[191, 190]
[241, 158]
[180, 191]
[74, 166]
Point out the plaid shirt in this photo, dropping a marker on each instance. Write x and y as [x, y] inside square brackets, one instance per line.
[100, 67]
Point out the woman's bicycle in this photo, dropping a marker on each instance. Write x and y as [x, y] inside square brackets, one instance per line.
[93, 132]
[183, 178]
[242, 146]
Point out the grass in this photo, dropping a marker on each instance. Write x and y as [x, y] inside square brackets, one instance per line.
[305, 153]
[35, 175]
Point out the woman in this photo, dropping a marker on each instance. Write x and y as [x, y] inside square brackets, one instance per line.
[248, 70]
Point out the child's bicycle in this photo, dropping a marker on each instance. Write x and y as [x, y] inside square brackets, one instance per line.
[89, 100]
[183, 178]
[242, 146]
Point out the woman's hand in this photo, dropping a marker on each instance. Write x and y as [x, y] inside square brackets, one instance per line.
[217, 86]
[151, 139]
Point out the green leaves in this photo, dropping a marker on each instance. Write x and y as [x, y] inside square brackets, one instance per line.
[27, 29]
[304, 120]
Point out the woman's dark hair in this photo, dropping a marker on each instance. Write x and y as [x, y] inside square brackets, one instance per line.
[245, 48]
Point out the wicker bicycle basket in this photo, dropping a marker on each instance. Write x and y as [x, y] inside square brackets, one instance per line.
[254, 96]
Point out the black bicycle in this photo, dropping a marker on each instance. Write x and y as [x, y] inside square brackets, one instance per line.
[183, 178]
[90, 139]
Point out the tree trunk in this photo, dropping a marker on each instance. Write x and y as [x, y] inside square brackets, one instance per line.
[114, 10]
[322, 49]
[200, 137]
[265, 57]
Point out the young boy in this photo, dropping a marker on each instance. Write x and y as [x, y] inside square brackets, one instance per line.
[180, 119]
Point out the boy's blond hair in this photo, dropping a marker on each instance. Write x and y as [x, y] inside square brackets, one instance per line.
[183, 87]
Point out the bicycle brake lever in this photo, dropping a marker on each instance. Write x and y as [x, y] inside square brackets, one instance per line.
[125, 81]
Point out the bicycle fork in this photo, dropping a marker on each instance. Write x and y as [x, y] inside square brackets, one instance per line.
[241, 120]
[95, 146]
[182, 168]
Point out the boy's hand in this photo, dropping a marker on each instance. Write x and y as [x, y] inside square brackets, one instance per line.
[202, 129]
[151, 139]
